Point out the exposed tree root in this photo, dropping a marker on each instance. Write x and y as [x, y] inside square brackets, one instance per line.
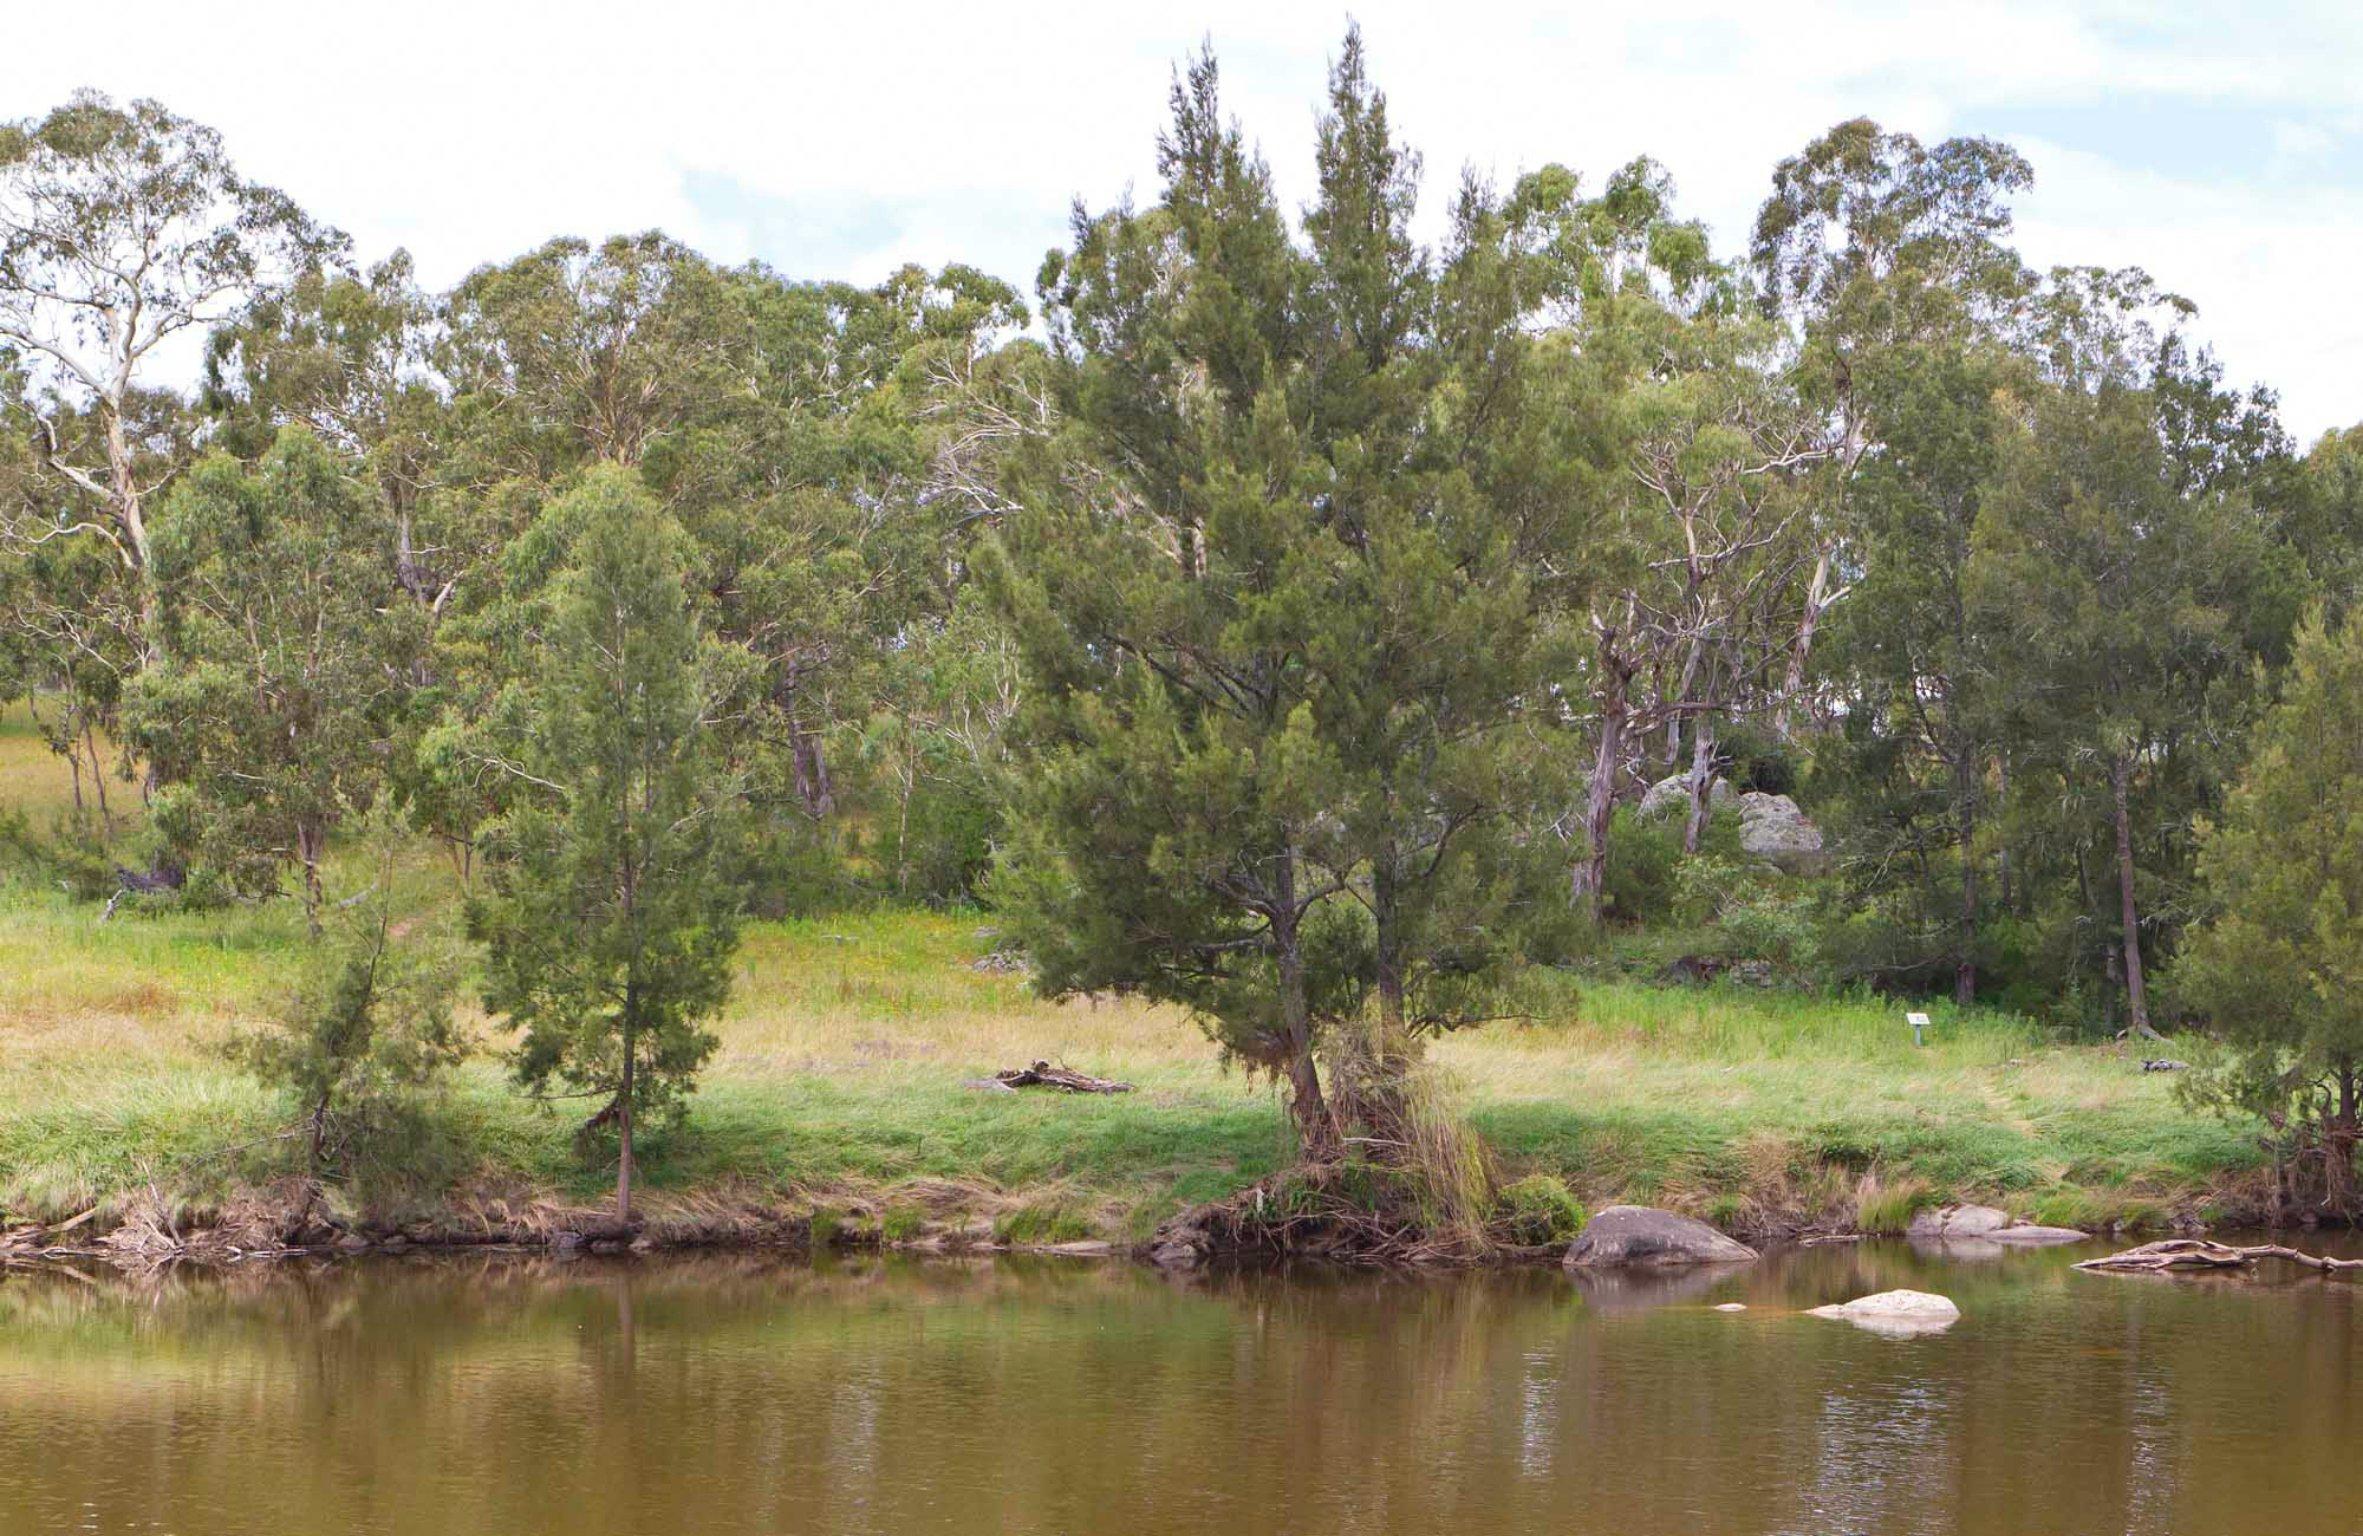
[1335, 1212]
[2197, 1253]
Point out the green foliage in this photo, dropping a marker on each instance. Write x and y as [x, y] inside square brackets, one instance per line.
[2273, 973]
[72, 856]
[361, 1051]
[1538, 1209]
[270, 713]
[1269, 692]
[1643, 854]
[608, 931]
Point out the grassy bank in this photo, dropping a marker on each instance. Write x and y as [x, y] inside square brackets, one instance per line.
[849, 1041]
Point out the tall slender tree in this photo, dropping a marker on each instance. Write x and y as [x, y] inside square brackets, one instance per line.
[609, 925]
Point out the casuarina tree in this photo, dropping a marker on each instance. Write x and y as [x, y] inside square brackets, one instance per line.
[608, 925]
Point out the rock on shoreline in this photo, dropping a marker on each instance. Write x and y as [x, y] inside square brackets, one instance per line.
[1637, 1234]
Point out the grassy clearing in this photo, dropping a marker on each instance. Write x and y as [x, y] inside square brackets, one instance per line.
[849, 1039]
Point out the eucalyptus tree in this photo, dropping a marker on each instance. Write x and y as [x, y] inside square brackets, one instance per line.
[1880, 254]
[2130, 593]
[345, 355]
[122, 230]
[283, 655]
[1917, 762]
[1693, 552]
[807, 492]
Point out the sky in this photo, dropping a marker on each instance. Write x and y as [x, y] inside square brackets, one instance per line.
[2220, 147]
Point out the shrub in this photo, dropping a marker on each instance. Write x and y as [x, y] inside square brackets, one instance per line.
[1643, 854]
[72, 857]
[357, 1050]
[1536, 1210]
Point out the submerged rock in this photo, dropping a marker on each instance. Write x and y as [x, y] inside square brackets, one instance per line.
[1983, 1223]
[2033, 1236]
[1897, 1314]
[1957, 1221]
[1636, 1234]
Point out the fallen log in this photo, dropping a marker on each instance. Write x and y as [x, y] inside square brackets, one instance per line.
[1066, 1080]
[2199, 1253]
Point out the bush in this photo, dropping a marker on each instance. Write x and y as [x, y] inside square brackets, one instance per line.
[1756, 760]
[1536, 1210]
[358, 1050]
[72, 857]
[1643, 854]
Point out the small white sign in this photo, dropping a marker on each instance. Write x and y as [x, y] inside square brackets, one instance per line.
[1916, 1020]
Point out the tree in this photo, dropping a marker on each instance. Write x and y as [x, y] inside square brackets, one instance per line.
[284, 647]
[2128, 614]
[1161, 579]
[2276, 974]
[609, 926]
[344, 355]
[1692, 558]
[1266, 587]
[120, 230]
[1914, 661]
[1879, 250]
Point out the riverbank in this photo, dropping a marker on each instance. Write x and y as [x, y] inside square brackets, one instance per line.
[843, 1090]
[842, 1095]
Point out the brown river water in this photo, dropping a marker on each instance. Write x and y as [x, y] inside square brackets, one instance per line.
[511, 1396]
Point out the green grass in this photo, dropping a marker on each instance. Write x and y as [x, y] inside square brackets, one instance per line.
[849, 1040]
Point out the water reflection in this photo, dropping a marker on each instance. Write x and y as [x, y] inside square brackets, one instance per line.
[513, 1395]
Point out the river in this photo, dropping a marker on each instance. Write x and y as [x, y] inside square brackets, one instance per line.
[510, 1396]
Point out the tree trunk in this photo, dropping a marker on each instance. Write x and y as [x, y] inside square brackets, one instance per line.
[1801, 651]
[1590, 876]
[2002, 814]
[1387, 921]
[623, 1119]
[2338, 1141]
[812, 769]
[310, 841]
[2137, 1003]
[1965, 940]
[1702, 780]
[1316, 1136]
[98, 780]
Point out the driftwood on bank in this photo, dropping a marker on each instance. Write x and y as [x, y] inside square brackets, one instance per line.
[2198, 1253]
[1043, 1075]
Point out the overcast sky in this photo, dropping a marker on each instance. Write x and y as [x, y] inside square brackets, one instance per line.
[2222, 150]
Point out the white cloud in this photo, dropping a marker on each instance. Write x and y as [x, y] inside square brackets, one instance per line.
[852, 138]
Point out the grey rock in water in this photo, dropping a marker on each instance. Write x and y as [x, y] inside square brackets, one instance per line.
[1672, 793]
[1772, 829]
[1983, 1223]
[1957, 1221]
[1636, 1234]
[2030, 1235]
[1897, 1314]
